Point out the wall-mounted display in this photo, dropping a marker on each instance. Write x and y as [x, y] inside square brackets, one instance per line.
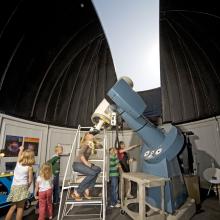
[31, 143]
[12, 144]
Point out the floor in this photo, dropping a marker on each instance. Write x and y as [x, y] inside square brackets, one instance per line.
[209, 210]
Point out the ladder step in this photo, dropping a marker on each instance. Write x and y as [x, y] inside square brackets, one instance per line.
[80, 217]
[96, 160]
[97, 149]
[80, 174]
[97, 185]
[79, 178]
[93, 201]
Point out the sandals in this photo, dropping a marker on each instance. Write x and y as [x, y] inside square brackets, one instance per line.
[86, 194]
[76, 197]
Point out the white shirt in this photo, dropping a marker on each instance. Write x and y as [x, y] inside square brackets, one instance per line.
[44, 184]
[20, 175]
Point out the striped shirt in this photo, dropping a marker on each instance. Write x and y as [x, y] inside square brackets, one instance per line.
[113, 165]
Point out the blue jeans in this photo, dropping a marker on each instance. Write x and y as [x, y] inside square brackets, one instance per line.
[56, 189]
[114, 190]
[91, 174]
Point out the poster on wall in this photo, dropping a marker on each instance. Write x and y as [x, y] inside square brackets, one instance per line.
[12, 144]
[31, 143]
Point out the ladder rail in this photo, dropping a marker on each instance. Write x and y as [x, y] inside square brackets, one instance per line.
[104, 190]
[65, 207]
[66, 170]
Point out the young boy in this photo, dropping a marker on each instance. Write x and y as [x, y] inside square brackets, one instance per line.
[114, 177]
[55, 163]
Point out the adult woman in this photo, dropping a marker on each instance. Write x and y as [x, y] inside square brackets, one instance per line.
[83, 166]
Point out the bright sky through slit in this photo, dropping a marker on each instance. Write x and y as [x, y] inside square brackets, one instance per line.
[132, 31]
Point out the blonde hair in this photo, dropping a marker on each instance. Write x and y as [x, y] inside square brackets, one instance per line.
[57, 147]
[27, 158]
[46, 171]
[83, 139]
[112, 150]
[90, 143]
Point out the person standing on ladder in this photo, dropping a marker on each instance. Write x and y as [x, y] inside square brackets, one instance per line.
[83, 166]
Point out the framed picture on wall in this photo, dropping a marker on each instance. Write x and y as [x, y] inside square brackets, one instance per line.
[32, 143]
[12, 144]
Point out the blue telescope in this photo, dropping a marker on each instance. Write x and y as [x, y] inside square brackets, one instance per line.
[160, 149]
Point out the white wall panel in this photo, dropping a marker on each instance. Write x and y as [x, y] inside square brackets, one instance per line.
[205, 144]
[23, 128]
[65, 137]
[205, 141]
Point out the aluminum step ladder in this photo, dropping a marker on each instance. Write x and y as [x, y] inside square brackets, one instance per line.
[89, 209]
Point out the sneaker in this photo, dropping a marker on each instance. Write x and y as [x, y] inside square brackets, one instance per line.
[117, 205]
[111, 206]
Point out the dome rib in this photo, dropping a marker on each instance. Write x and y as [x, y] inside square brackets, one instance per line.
[83, 83]
[59, 97]
[74, 85]
[10, 61]
[54, 61]
[202, 83]
[188, 44]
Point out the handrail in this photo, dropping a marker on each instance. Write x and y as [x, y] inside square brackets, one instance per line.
[104, 177]
[67, 166]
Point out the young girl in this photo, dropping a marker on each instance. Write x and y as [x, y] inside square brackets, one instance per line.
[43, 191]
[23, 176]
[82, 165]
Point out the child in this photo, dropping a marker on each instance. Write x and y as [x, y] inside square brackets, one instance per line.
[23, 176]
[43, 191]
[55, 163]
[123, 156]
[124, 162]
[114, 175]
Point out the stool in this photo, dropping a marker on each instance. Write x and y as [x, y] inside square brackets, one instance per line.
[212, 175]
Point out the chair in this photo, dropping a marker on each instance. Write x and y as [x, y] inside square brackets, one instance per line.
[212, 175]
